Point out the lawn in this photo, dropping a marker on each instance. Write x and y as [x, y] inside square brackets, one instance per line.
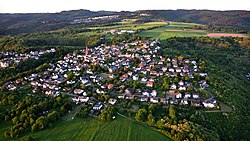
[92, 130]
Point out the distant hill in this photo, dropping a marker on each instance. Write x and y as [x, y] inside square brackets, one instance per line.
[239, 19]
[39, 22]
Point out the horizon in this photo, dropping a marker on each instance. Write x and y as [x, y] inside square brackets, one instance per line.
[47, 6]
[122, 11]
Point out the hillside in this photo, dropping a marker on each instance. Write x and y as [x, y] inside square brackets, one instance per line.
[40, 22]
[222, 18]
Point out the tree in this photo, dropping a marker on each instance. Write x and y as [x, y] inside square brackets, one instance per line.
[42, 122]
[53, 116]
[141, 115]
[172, 112]
[70, 75]
[34, 127]
[160, 123]
[15, 120]
[151, 120]
[151, 108]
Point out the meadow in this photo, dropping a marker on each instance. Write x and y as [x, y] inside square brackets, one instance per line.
[92, 130]
[173, 29]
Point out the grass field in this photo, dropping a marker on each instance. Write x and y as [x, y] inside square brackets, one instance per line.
[92, 130]
[174, 29]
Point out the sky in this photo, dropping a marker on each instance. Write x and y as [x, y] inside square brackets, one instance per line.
[45, 6]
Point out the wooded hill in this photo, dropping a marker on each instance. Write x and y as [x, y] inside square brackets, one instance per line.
[39, 22]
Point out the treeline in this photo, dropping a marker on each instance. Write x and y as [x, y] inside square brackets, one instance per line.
[172, 125]
[67, 37]
[34, 113]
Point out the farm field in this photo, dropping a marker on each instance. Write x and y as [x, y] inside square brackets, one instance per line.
[92, 130]
[174, 29]
[218, 35]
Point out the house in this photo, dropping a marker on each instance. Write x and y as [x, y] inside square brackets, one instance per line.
[75, 99]
[11, 87]
[83, 99]
[97, 106]
[163, 101]
[34, 83]
[179, 95]
[171, 69]
[110, 86]
[196, 96]
[143, 98]
[151, 79]
[173, 87]
[211, 103]
[153, 73]
[187, 95]
[111, 76]
[181, 83]
[182, 88]
[145, 93]
[203, 74]
[150, 84]
[35, 90]
[112, 101]
[153, 93]
[121, 96]
[187, 61]
[178, 70]
[196, 103]
[154, 99]
[127, 92]
[78, 91]
[144, 80]
[184, 101]
[129, 97]
[135, 77]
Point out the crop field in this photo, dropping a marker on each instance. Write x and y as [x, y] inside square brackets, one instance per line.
[174, 29]
[218, 35]
[92, 130]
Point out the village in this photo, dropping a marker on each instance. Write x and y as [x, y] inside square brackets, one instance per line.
[131, 71]
[10, 58]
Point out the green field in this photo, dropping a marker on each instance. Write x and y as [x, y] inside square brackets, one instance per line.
[174, 29]
[92, 130]
[130, 26]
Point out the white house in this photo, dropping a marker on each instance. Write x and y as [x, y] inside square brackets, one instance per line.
[154, 93]
[154, 99]
[179, 95]
[209, 103]
[83, 99]
[112, 101]
[98, 106]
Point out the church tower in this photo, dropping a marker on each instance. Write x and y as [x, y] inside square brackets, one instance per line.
[87, 51]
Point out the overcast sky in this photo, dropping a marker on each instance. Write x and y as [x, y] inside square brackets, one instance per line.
[34, 6]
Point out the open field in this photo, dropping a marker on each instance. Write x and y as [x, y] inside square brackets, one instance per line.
[180, 29]
[92, 130]
[174, 29]
[218, 35]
